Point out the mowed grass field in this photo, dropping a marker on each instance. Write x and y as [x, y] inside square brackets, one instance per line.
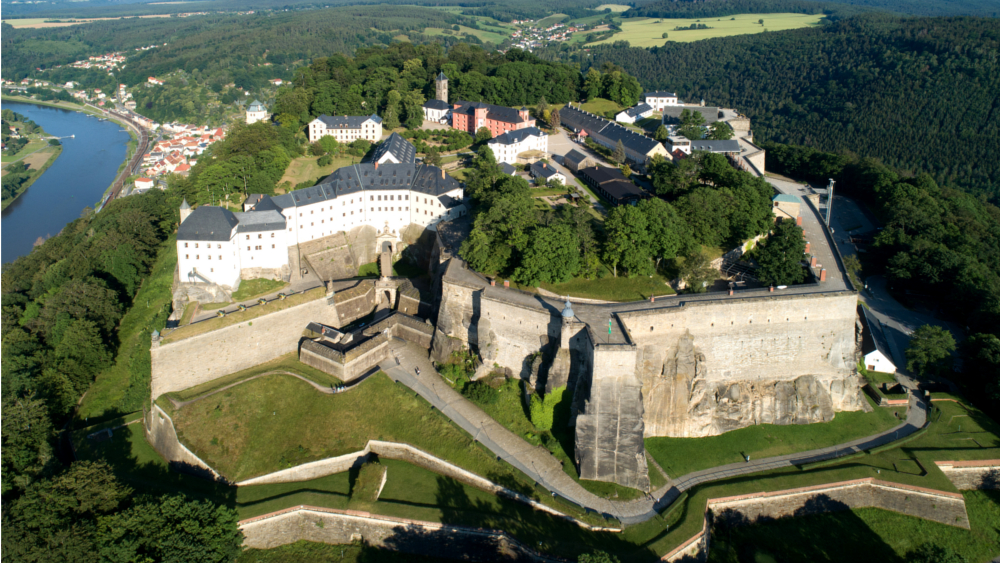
[304, 169]
[64, 22]
[612, 7]
[479, 33]
[648, 32]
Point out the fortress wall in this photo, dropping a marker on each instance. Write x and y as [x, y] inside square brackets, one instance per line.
[202, 358]
[965, 475]
[458, 309]
[354, 303]
[509, 333]
[709, 367]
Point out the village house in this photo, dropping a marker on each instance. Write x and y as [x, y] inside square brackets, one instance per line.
[506, 147]
[256, 112]
[576, 160]
[346, 128]
[544, 171]
[786, 206]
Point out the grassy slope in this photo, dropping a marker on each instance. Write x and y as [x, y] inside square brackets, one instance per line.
[646, 32]
[481, 34]
[125, 386]
[258, 287]
[305, 169]
[679, 456]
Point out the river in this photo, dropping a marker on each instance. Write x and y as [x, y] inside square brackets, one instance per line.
[87, 166]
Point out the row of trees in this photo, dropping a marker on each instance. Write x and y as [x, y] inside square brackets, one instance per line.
[936, 241]
[705, 203]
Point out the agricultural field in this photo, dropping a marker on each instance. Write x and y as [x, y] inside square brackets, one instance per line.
[551, 20]
[482, 35]
[648, 32]
[612, 7]
[36, 23]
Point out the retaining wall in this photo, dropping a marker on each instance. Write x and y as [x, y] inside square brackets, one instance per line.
[972, 475]
[937, 506]
[159, 430]
[332, 526]
[198, 359]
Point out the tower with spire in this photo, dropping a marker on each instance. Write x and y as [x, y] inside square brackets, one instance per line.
[185, 210]
[441, 87]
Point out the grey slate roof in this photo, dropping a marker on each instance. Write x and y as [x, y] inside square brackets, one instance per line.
[399, 147]
[265, 204]
[730, 145]
[208, 223]
[575, 156]
[508, 169]
[442, 76]
[608, 131]
[659, 94]
[496, 113]
[516, 136]
[347, 121]
[672, 114]
[542, 169]
[872, 338]
[436, 104]
[256, 106]
[358, 178]
[256, 220]
[638, 110]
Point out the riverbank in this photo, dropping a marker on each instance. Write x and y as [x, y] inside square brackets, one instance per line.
[37, 162]
[91, 111]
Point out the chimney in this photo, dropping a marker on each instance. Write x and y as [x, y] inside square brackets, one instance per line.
[807, 248]
[771, 289]
[730, 292]
[506, 283]
[812, 262]
[442, 173]
[376, 165]
[493, 283]
[822, 275]
[798, 221]
[545, 165]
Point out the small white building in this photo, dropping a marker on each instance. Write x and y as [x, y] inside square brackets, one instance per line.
[436, 111]
[346, 128]
[877, 356]
[256, 112]
[659, 100]
[633, 114]
[506, 147]
[143, 183]
[678, 143]
[546, 171]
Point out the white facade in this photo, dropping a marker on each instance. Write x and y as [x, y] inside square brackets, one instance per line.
[660, 100]
[209, 261]
[256, 112]
[680, 143]
[631, 115]
[262, 249]
[435, 115]
[346, 129]
[506, 147]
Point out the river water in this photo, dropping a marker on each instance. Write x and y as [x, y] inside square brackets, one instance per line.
[77, 179]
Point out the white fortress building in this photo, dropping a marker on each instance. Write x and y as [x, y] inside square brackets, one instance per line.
[346, 128]
[659, 100]
[506, 147]
[218, 246]
[256, 112]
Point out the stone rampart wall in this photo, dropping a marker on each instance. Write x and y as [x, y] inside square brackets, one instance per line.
[198, 359]
[712, 366]
[509, 333]
[972, 475]
[326, 525]
[937, 506]
[346, 367]
[159, 430]
[354, 303]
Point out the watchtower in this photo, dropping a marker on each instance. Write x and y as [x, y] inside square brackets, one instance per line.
[185, 210]
[441, 87]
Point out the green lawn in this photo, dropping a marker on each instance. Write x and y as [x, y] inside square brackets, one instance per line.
[612, 7]
[31, 147]
[610, 288]
[601, 106]
[648, 32]
[249, 289]
[679, 456]
[305, 169]
[320, 552]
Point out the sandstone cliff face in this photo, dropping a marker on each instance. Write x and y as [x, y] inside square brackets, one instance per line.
[681, 400]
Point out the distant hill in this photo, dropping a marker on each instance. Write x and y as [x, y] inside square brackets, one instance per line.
[922, 94]
[720, 8]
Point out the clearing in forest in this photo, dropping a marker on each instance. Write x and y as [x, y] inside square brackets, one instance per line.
[648, 32]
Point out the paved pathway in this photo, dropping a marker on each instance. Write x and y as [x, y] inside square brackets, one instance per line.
[538, 464]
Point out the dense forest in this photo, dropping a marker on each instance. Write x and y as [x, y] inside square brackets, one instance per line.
[937, 242]
[920, 94]
[836, 8]
[63, 306]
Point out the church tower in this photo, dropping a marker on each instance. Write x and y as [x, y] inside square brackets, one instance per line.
[185, 210]
[441, 84]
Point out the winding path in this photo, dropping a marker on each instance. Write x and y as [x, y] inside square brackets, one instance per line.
[538, 464]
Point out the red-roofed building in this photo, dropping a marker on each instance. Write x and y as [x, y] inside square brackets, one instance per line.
[470, 116]
[183, 169]
[143, 183]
